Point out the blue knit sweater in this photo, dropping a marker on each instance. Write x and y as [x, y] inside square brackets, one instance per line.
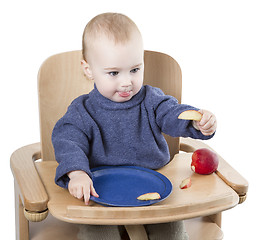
[96, 131]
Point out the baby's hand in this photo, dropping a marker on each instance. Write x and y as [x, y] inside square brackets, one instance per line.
[208, 123]
[81, 186]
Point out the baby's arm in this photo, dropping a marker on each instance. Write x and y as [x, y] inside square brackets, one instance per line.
[81, 186]
[208, 123]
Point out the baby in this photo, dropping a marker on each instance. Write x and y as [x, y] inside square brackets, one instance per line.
[120, 122]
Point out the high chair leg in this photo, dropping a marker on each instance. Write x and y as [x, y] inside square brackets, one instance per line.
[136, 232]
[216, 218]
[21, 223]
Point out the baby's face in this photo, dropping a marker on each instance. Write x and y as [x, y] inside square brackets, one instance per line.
[117, 69]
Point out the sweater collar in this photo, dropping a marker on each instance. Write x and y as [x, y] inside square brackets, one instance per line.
[96, 97]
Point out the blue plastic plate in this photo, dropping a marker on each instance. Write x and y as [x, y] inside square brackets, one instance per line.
[120, 186]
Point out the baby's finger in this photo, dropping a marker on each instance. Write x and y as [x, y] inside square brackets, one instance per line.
[207, 132]
[79, 193]
[210, 123]
[93, 191]
[71, 190]
[205, 118]
[210, 130]
[86, 195]
[73, 193]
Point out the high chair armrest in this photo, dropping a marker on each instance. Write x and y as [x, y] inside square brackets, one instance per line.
[228, 174]
[30, 187]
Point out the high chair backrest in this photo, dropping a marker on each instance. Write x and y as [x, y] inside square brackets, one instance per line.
[61, 79]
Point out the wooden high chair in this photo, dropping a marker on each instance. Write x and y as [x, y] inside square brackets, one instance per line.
[60, 80]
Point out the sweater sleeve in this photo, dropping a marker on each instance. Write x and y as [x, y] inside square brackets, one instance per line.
[167, 110]
[71, 146]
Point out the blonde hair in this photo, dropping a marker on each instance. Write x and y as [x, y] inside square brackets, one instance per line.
[115, 26]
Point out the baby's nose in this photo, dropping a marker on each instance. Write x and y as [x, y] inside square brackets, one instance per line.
[126, 83]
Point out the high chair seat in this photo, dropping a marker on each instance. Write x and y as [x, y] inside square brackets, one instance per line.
[33, 167]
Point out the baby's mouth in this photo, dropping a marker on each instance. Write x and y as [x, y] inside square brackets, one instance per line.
[124, 94]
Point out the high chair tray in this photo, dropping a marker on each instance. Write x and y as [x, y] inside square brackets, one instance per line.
[207, 195]
[121, 185]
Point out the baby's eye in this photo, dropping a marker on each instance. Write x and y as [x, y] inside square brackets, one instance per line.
[113, 74]
[135, 70]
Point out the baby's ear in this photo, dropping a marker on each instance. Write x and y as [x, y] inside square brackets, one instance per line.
[86, 69]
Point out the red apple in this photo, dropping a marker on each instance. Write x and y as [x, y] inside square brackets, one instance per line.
[204, 161]
[186, 183]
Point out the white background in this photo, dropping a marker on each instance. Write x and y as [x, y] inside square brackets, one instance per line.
[215, 42]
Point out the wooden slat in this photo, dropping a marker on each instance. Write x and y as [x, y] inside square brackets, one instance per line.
[203, 229]
[22, 224]
[51, 228]
[136, 232]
